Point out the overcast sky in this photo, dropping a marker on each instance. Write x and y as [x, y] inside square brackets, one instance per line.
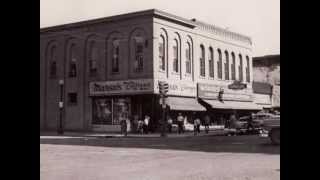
[259, 19]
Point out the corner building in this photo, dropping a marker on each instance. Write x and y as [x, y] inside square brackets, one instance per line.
[110, 69]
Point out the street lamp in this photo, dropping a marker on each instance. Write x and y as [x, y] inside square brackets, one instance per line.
[60, 128]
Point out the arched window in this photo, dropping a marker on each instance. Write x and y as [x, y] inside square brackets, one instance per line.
[240, 68]
[248, 69]
[202, 62]
[115, 55]
[138, 61]
[175, 56]
[211, 63]
[219, 64]
[188, 58]
[233, 67]
[72, 61]
[162, 62]
[53, 62]
[226, 66]
[93, 58]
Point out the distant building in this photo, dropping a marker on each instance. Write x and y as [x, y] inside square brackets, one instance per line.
[266, 69]
[111, 66]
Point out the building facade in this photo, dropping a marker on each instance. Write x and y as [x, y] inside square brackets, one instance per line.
[109, 70]
[266, 69]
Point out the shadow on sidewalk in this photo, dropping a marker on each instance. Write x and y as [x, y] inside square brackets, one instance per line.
[232, 144]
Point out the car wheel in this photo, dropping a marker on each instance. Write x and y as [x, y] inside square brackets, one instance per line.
[275, 136]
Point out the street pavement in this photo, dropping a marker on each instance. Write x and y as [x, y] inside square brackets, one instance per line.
[153, 158]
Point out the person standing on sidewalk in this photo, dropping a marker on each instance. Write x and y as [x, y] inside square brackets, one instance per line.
[123, 124]
[180, 120]
[146, 124]
[206, 123]
[170, 121]
[196, 128]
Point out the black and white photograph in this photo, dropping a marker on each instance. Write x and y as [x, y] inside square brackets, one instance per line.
[160, 90]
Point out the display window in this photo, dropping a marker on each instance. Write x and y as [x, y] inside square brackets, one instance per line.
[110, 111]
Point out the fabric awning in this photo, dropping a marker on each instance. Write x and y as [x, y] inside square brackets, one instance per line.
[184, 104]
[236, 105]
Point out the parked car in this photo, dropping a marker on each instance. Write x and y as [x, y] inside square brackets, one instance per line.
[271, 129]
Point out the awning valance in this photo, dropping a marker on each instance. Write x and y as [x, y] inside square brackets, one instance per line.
[184, 104]
[236, 105]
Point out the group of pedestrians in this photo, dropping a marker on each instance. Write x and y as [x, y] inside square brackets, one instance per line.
[181, 122]
[138, 125]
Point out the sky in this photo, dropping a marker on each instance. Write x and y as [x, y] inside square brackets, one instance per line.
[259, 19]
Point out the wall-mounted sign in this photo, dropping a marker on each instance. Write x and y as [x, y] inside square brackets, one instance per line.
[209, 91]
[179, 88]
[237, 85]
[136, 86]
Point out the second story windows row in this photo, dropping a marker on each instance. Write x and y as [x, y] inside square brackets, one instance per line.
[226, 67]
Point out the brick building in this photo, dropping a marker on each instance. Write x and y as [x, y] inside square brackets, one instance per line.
[110, 68]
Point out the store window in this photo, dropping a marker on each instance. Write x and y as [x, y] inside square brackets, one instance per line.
[219, 64]
[115, 55]
[202, 62]
[72, 98]
[233, 67]
[226, 66]
[211, 63]
[72, 61]
[102, 111]
[162, 63]
[188, 58]
[110, 111]
[138, 61]
[248, 69]
[240, 68]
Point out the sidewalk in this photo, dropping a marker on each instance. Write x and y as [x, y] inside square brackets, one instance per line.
[48, 134]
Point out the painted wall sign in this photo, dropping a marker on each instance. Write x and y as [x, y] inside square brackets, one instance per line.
[121, 87]
[237, 85]
[209, 91]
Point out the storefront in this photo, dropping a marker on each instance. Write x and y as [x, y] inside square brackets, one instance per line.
[222, 101]
[114, 101]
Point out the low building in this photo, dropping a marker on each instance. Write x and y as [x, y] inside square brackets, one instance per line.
[266, 69]
[108, 69]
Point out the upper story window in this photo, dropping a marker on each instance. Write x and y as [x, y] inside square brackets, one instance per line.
[175, 56]
[240, 68]
[138, 61]
[188, 58]
[211, 63]
[202, 62]
[219, 64]
[162, 63]
[115, 55]
[226, 66]
[93, 58]
[72, 61]
[53, 62]
[248, 69]
[233, 67]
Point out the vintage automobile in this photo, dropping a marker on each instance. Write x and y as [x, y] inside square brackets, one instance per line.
[271, 129]
[248, 124]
